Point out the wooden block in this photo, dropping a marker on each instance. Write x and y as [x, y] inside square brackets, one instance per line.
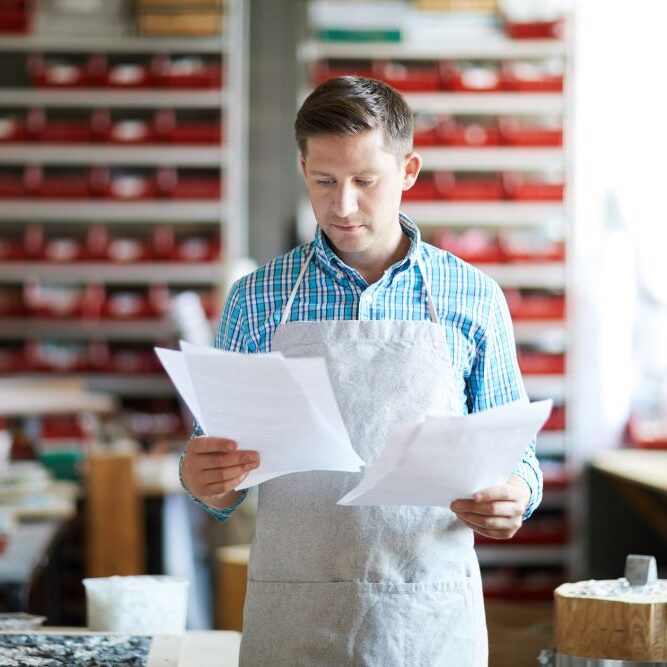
[610, 629]
[193, 24]
[232, 577]
[114, 516]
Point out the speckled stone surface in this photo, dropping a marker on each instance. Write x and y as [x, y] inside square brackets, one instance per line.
[51, 650]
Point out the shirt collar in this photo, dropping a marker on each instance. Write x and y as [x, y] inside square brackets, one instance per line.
[328, 258]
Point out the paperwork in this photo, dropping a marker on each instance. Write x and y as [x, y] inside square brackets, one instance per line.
[445, 458]
[283, 408]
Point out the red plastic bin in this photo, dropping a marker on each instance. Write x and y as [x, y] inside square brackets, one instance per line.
[411, 78]
[12, 186]
[16, 16]
[470, 79]
[325, 70]
[11, 250]
[534, 29]
[63, 250]
[128, 75]
[519, 248]
[535, 306]
[11, 302]
[424, 189]
[185, 73]
[523, 78]
[512, 133]
[64, 187]
[12, 359]
[647, 434]
[519, 188]
[12, 129]
[468, 135]
[458, 188]
[45, 73]
[50, 356]
[541, 363]
[474, 246]
[556, 420]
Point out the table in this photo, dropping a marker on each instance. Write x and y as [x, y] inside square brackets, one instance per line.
[200, 648]
[627, 501]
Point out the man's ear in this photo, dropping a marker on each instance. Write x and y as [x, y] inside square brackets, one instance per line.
[412, 164]
[302, 164]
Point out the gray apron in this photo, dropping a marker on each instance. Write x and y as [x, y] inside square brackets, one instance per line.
[385, 585]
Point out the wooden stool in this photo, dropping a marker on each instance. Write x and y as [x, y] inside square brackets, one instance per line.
[232, 575]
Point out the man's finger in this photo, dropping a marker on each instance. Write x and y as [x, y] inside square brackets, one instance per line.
[495, 534]
[500, 492]
[210, 477]
[505, 508]
[207, 445]
[215, 461]
[225, 487]
[488, 523]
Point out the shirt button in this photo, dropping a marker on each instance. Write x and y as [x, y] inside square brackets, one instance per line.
[339, 275]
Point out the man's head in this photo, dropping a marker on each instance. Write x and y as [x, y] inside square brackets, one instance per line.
[347, 106]
[355, 139]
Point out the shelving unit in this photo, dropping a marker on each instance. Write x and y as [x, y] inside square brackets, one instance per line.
[497, 218]
[220, 220]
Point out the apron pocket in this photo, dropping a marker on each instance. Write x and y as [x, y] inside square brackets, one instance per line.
[361, 624]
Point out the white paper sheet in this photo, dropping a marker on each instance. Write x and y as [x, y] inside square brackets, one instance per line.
[446, 458]
[282, 408]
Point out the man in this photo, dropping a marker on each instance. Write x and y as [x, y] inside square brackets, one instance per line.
[407, 330]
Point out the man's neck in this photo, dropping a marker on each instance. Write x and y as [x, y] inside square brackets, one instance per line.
[373, 268]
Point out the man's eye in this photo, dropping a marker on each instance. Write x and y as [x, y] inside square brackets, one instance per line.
[364, 182]
[325, 181]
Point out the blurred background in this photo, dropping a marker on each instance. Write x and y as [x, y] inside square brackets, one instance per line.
[147, 161]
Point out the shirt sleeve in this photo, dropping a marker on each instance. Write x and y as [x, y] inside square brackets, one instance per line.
[496, 380]
[232, 336]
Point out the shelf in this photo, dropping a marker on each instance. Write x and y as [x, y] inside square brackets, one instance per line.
[91, 329]
[546, 386]
[105, 154]
[86, 272]
[121, 384]
[486, 103]
[491, 159]
[551, 443]
[553, 333]
[104, 97]
[533, 275]
[489, 48]
[497, 214]
[112, 44]
[100, 210]
[510, 554]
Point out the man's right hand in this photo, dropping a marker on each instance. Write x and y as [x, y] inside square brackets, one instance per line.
[212, 467]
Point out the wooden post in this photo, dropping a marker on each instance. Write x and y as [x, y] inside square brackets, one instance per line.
[114, 516]
[231, 579]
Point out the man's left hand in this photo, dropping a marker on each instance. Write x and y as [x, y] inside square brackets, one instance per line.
[495, 512]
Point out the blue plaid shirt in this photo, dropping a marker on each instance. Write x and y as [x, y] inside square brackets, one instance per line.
[470, 305]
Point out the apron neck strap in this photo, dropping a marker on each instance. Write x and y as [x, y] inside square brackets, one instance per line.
[427, 288]
[288, 306]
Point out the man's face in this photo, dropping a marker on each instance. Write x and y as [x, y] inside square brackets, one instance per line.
[355, 186]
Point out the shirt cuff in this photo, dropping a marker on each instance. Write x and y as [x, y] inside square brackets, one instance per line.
[533, 479]
[220, 514]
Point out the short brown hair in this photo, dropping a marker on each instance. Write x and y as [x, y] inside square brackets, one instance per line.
[351, 105]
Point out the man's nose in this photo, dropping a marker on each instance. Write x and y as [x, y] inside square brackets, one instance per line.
[345, 201]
